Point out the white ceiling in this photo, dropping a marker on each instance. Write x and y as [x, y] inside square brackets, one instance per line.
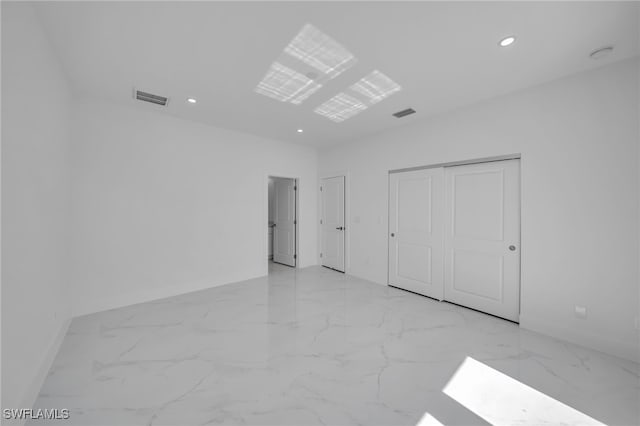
[444, 55]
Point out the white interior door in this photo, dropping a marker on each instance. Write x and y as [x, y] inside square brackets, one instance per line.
[482, 237]
[332, 222]
[284, 219]
[416, 228]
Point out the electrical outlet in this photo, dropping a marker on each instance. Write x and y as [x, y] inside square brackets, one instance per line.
[636, 323]
[580, 311]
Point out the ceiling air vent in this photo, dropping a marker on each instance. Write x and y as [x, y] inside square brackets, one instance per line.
[150, 97]
[404, 112]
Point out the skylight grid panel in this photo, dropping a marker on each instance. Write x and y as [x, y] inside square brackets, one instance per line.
[318, 50]
[304, 93]
[375, 87]
[284, 84]
[341, 107]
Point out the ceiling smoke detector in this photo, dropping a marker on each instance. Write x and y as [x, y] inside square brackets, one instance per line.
[601, 53]
[150, 97]
[404, 112]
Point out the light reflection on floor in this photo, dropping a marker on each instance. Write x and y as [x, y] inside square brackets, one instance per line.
[500, 399]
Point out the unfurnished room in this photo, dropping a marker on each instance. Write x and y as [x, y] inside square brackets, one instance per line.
[420, 213]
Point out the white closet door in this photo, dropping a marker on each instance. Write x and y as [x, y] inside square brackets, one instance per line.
[416, 227]
[284, 231]
[482, 237]
[333, 227]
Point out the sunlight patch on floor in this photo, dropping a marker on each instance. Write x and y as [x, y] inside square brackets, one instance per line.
[429, 420]
[502, 400]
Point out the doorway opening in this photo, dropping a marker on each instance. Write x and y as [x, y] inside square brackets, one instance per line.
[282, 222]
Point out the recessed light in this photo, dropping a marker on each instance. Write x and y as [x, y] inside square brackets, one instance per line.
[191, 100]
[601, 53]
[300, 130]
[507, 41]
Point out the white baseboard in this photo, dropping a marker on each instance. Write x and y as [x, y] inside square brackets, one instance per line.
[33, 389]
[100, 304]
[621, 349]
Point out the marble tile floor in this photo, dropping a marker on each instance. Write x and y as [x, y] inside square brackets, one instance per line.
[311, 347]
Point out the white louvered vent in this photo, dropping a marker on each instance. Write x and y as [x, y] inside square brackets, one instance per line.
[150, 97]
[404, 113]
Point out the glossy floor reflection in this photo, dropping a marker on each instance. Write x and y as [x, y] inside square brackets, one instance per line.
[310, 347]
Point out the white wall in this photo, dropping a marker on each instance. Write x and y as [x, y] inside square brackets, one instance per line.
[578, 138]
[35, 205]
[163, 206]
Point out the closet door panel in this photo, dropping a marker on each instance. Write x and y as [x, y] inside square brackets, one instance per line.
[416, 226]
[482, 237]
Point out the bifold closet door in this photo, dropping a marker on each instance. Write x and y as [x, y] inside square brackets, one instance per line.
[482, 237]
[416, 228]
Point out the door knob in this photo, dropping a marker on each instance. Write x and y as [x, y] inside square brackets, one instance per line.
[339, 228]
[512, 248]
[393, 235]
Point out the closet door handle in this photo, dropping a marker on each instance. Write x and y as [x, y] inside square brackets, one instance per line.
[340, 228]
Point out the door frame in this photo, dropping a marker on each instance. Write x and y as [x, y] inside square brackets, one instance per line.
[516, 156]
[347, 214]
[460, 163]
[296, 226]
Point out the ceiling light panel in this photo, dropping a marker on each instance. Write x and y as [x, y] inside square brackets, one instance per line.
[367, 91]
[375, 87]
[305, 64]
[286, 85]
[341, 107]
[318, 50]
